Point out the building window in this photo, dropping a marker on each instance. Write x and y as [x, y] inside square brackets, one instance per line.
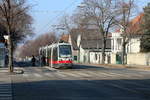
[75, 58]
[112, 44]
[119, 43]
[96, 56]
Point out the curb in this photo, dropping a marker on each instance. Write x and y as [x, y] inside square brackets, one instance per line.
[119, 66]
[18, 71]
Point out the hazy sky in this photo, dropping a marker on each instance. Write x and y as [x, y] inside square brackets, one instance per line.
[47, 12]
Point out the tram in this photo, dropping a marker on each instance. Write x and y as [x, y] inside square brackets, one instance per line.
[58, 55]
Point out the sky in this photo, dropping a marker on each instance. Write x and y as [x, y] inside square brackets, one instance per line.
[46, 13]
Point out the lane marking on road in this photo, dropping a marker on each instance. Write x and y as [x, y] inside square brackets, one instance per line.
[37, 75]
[93, 74]
[51, 74]
[116, 74]
[47, 74]
[51, 69]
[25, 75]
[61, 74]
[105, 74]
[70, 74]
[82, 74]
[5, 89]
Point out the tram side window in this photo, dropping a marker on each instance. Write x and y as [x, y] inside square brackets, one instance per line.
[49, 53]
[55, 54]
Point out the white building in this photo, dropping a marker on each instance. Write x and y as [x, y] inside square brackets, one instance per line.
[133, 54]
[87, 46]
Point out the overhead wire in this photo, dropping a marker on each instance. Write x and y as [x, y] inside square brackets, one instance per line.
[51, 22]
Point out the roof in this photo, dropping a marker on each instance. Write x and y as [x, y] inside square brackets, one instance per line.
[95, 44]
[134, 26]
[86, 34]
[90, 38]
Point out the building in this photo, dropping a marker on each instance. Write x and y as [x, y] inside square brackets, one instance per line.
[133, 44]
[87, 46]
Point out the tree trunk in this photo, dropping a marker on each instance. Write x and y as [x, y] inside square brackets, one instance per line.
[123, 51]
[103, 49]
[10, 48]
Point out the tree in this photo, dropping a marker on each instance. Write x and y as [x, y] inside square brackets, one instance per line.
[145, 40]
[65, 23]
[31, 47]
[101, 13]
[125, 12]
[16, 20]
[2, 30]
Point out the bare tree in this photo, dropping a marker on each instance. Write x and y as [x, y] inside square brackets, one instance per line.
[16, 21]
[102, 14]
[31, 47]
[82, 23]
[125, 13]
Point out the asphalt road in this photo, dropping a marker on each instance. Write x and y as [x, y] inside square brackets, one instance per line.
[81, 83]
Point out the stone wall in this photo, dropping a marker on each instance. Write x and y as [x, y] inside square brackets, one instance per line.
[113, 58]
[138, 59]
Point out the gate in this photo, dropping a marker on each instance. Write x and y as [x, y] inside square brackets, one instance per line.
[118, 58]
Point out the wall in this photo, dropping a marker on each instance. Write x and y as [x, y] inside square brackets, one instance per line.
[138, 59]
[96, 57]
[82, 55]
[134, 45]
[113, 58]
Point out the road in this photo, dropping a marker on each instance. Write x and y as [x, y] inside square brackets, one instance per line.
[81, 83]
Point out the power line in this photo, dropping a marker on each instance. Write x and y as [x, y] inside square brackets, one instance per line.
[55, 17]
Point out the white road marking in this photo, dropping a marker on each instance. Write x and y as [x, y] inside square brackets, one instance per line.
[83, 74]
[105, 74]
[47, 74]
[26, 75]
[70, 74]
[61, 74]
[37, 75]
[5, 89]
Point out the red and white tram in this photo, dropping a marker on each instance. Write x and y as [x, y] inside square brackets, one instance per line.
[57, 55]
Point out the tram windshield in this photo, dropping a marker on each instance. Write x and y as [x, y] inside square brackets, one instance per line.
[65, 50]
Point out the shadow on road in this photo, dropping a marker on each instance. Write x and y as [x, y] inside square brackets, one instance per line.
[25, 64]
[78, 66]
[82, 90]
[75, 66]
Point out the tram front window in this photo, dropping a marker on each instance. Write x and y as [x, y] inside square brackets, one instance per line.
[65, 50]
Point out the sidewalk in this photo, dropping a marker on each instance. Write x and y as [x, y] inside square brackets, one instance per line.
[142, 67]
[5, 84]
